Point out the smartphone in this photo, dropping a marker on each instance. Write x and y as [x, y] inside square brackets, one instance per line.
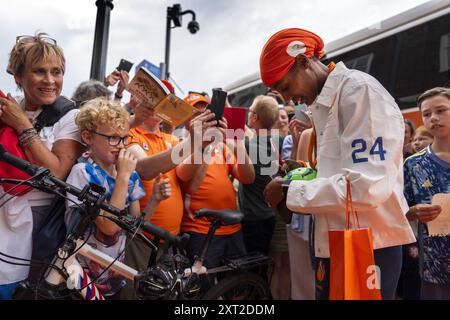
[217, 104]
[124, 65]
[299, 114]
[290, 116]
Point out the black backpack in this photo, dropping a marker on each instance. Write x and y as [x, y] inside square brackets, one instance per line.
[52, 231]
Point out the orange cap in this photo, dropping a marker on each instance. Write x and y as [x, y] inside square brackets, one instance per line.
[194, 98]
[279, 52]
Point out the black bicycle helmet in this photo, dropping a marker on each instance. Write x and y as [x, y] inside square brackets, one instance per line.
[153, 284]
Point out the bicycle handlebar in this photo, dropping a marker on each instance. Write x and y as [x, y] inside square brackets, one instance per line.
[20, 164]
[128, 221]
[179, 241]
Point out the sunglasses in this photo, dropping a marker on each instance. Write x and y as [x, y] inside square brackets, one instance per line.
[32, 39]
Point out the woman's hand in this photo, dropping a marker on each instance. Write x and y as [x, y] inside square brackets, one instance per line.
[424, 212]
[123, 83]
[112, 78]
[296, 127]
[12, 115]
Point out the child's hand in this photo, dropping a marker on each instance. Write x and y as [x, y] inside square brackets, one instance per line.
[413, 252]
[126, 163]
[424, 212]
[161, 188]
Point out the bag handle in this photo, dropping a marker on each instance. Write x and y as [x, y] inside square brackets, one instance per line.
[349, 210]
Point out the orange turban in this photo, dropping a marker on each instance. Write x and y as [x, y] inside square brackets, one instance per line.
[279, 52]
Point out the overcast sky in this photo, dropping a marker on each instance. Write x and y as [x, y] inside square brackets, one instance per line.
[227, 47]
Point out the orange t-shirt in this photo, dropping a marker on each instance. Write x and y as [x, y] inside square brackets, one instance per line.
[215, 192]
[169, 212]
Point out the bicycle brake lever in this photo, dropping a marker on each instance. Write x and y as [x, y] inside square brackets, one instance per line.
[132, 225]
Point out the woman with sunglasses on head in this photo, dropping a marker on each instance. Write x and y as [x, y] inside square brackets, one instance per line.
[38, 66]
[43, 121]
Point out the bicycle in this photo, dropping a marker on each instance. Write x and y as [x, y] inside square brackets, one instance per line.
[168, 277]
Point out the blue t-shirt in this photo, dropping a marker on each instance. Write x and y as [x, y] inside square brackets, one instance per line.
[86, 172]
[287, 148]
[425, 176]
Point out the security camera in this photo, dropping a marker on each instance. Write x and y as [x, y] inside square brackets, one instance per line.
[193, 26]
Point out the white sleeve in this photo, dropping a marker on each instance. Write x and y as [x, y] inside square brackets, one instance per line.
[370, 153]
[66, 128]
[78, 178]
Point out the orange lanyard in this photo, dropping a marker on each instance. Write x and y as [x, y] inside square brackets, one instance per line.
[312, 148]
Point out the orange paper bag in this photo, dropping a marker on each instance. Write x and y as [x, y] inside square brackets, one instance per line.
[353, 273]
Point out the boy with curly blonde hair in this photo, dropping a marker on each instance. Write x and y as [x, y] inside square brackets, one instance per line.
[104, 129]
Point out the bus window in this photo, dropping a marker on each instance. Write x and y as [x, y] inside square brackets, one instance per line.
[424, 60]
[444, 54]
[376, 58]
[362, 63]
[244, 98]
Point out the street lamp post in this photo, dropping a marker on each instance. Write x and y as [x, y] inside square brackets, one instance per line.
[174, 14]
[98, 63]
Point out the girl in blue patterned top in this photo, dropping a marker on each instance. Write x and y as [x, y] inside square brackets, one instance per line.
[104, 128]
[426, 174]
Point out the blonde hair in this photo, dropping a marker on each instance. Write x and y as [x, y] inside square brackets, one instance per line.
[25, 54]
[423, 132]
[100, 111]
[289, 109]
[266, 108]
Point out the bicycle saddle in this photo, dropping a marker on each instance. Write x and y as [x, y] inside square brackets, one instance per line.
[226, 216]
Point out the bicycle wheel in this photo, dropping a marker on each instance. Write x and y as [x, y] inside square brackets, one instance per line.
[246, 286]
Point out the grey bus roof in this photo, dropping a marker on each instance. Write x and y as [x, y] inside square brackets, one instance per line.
[405, 20]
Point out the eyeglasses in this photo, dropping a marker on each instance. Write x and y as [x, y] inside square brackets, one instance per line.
[115, 140]
[31, 39]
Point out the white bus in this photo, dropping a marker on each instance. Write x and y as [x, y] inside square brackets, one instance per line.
[408, 53]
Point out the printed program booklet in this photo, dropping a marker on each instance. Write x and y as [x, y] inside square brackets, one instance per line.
[148, 89]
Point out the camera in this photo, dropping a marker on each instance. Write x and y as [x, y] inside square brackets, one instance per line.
[193, 26]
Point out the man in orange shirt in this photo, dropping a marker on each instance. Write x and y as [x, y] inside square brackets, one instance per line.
[151, 146]
[207, 185]
[149, 140]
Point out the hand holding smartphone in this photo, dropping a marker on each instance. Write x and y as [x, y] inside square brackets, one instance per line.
[124, 65]
[217, 104]
[300, 110]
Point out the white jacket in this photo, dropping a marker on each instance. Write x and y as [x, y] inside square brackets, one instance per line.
[16, 228]
[360, 132]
